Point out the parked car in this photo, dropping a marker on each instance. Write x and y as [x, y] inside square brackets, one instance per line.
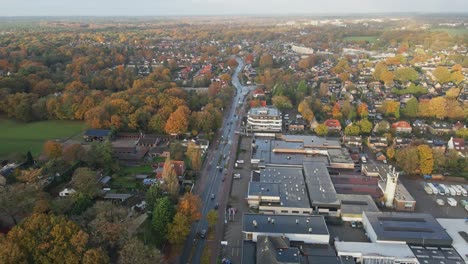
[202, 233]
[237, 176]
[440, 202]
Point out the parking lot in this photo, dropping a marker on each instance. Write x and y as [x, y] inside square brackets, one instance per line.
[233, 230]
[426, 203]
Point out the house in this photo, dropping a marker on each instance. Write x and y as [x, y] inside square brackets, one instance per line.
[96, 135]
[380, 156]
[352, 141]
[258, 93]
[377, 142]
[66, 192]
[333, 125]
[130, 154]
[439, 128]
[296, 125]
[178, 165]
[402, 127]
[399, 142]
[457, 144]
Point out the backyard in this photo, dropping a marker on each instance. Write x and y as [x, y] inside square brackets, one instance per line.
[19, 137]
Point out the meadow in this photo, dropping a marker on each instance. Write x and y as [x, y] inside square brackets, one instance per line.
[19, 137]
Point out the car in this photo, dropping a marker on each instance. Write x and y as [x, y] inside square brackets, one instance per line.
[237, 176]
[212, 196]
[216, 206]
[223, 179]
[240, 161]
[440, 202]
[202, 233]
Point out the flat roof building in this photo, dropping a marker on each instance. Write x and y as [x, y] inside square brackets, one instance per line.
[279, 190]
[322, 193]
[410, 228]
[307, 229]
[353, 205]
[458, 231]
[264, 119]
[376, 252]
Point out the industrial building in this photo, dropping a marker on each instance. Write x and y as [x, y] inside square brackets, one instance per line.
[401, 228]
[307, 229]
[264, 119]
[458, 231]
[376, 252]
[353, 206]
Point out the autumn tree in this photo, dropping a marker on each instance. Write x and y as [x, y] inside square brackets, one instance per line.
[406, 74]
[85, 181]
[442, 74]
[171, 180]
[362, 110]
[462, 133]
[16, 201]
[266, 61]
[73, 153]
[190, 205]
[408, 159]
[178, 121]
[390, 152]
[336, 111]
[305, 111]
[281, 102]
[365, 126]
[352, 130]
[45, 238]
[391, 108]
[95, 256]
[212, 218]
[426, 160]
[194, 155]
[53, 149]
[321, 130]
[437, 106]
[178, 229]
[134, 251]
[163, 214]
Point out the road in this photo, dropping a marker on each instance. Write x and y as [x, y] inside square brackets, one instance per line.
[214, 170]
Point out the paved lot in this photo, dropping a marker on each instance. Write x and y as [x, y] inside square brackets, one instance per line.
[425, 203]
[233, 230]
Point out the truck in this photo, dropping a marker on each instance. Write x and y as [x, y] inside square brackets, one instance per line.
[451, 201]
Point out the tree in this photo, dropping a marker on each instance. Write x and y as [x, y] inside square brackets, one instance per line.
[53, 149]
[336, 111]
[178, 121]
[281, 102]
[266, 61]
[95, 256]
[154, 193]
[321, 130]
[134, 251]
[157, 124]
[426, 159]
[391, 108]
[406, 74]
[163, 214]
[411, 108]
[85, 181]
[178, 229]
[362, 110]
[437, 106]
[352, 130]
[16, 200]
[390, 152]
[171, 181]
[101, 155]
[442, 74]
[74, 152]
[45, 238]
[189, 205]
[305, 111]
[387, 77]
[365, 125]
[212, 217]
[194, 155]
[407, 159]
[462, 133]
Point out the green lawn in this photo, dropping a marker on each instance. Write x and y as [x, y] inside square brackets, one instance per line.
[452, 31]
[132, 171]
[21, 137]
[370, 39]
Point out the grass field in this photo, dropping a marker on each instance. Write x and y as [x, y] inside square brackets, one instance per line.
[21, 137]
[370, 39]
[452, 31]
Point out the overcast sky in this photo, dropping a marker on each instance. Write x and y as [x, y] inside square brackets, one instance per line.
[221, 7]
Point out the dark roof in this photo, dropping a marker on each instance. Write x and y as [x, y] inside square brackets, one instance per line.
[105, 179]
[249, 254]
[437, 255]
[276, 250]
[263, 188]
[330, 260]
[320, 187]
[284, 224]
[97, 132]
[412, 228]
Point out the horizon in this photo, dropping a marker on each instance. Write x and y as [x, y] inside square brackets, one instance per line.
[147, 8]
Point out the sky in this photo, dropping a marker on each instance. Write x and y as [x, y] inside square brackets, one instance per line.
[222, 7]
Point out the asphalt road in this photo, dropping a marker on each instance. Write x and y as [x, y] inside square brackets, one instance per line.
[214, 169]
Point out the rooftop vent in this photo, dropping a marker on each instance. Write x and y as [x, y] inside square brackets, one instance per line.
[254, 222]
[273, 221]
[297, 221]
[310, 230]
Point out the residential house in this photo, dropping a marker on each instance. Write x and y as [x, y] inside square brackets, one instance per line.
[179, 168]
[333, 125]
[352, 141]
[439, 128]
[91, 135]
[402, 127]
[399, 142]
[377, 142]
[296, 125]
[457, 144]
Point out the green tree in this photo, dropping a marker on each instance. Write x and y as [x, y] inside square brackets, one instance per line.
[163, 214]
[411, 108]
[321, 130]
[281, 102]
[352, 130]
[442, 74]
[407, 159]
[101, 156]
[365, 125]
[85, 181]
[154, 193]
[406, 74]
[462, 133]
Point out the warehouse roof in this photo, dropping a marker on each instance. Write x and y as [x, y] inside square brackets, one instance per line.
[284, 224]
[318, 181]
[356, 203]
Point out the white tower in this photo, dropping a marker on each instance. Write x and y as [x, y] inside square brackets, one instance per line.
[390, 187]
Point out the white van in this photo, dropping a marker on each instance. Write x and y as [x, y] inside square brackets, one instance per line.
[451, 201]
